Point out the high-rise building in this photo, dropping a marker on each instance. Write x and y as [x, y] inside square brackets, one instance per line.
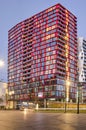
[82, 67]
[82, 59]
[42, 57]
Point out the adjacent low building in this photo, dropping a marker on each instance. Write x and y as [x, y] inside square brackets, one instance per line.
[3, 96]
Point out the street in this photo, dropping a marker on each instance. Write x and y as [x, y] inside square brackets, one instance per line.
[20, 120]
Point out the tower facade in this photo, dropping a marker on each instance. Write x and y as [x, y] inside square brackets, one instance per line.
[42, 57]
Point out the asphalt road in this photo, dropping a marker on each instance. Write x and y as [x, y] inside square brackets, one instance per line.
[20, 120]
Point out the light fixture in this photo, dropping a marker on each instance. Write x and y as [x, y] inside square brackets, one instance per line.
[1, 63]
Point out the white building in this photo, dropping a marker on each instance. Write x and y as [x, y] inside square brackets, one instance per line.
[3, 88]
[82, 66]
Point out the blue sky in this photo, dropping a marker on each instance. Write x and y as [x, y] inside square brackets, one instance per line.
[14, 11]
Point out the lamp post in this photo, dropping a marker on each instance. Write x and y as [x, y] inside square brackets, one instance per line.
[78, 104]
[78, 94]
[66, 94]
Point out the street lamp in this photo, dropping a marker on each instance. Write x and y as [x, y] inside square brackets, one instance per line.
[66, 94]
[1, 63]
[78, 94]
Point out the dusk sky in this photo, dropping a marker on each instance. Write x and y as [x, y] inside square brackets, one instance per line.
[15, 11]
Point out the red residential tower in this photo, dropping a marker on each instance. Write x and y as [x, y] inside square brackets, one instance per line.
[42, 57]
